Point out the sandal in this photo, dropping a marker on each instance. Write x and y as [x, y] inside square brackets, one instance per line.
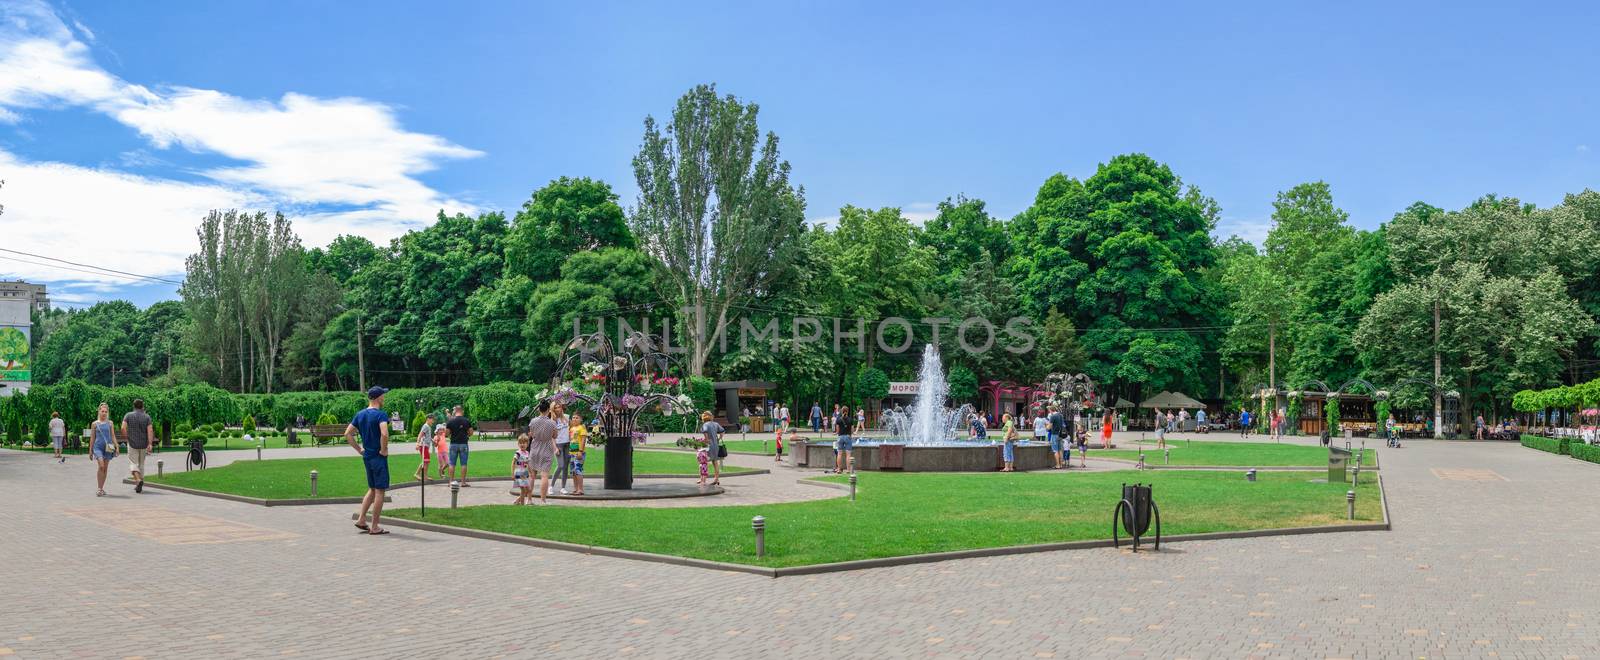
[380, 532]
[362, 526]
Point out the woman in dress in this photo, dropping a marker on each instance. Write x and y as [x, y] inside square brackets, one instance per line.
[104, 448]
[542, 453]
[1105, 428]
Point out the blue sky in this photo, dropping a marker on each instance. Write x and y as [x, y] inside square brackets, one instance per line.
[120, 123]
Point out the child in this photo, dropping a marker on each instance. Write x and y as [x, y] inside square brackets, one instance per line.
[575, 452]
[703, 456]
[778, 457]
[441, 448]
[424, 445]
[519, 470]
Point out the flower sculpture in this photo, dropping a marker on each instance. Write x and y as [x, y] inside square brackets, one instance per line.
[618, 383]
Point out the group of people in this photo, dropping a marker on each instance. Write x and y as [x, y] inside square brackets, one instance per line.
[554, 447]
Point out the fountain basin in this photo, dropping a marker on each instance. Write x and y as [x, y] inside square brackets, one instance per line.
[932, 457]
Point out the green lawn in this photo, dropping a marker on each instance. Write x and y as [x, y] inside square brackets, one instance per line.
[903, 514]
[1236, 454]
[343, 476]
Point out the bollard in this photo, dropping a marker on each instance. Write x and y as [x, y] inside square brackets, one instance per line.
[852, 486]
[455, 490]
[1250, 475]
[1356, 476]
[1350, 503]
[313, 483]
[160, 467]
[1167, 460]
[759, 524]
[1140, 466]
[258, 452]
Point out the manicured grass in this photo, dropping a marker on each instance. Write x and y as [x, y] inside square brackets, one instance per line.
[904, 514]
[344, 476]
[1235, 454]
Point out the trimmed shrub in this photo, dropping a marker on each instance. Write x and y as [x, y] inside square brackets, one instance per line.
[1584, 452]
[1543, 444]
[249, 424]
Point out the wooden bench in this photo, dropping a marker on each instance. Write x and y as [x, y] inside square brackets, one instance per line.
[494, 428]
[325, 433]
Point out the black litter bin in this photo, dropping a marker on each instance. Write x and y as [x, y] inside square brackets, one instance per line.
[1135, 512]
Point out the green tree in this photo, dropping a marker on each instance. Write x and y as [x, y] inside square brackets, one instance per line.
[1125, 253]
[713, 211]
[96, 345]
[564, 217]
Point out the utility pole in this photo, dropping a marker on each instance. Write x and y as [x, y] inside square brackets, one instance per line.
[114, 372]
[1438, 397]
[361, 353]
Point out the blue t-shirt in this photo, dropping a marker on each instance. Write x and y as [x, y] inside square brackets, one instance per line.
[367, 423]
[1244, 419]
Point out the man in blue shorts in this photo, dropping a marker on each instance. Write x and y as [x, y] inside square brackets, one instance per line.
[372, 423]
[1058, 424]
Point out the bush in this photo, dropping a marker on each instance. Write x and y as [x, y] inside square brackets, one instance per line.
[249, 424]
[1544, 444]
[326, 418]
[1584, 452]
[197, 436]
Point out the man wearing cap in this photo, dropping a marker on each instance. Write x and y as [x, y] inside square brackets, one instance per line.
[373, 425]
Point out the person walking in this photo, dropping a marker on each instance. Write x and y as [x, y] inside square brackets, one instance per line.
[103, 447]
[424, 445]
[1244, 423]
[542, 450]
[1161, 429]
[844, 451]
[372, 425]
[461, 430]
[1479, 423]
[1280, 425]
[712, 432]
[1008, 429]
[58, 435]
[138, 428]
[816, 418]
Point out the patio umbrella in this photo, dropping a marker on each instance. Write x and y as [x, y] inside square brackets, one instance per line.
[1171, 400]
[1122, 403]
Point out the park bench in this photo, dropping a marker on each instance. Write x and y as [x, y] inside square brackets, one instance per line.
[494, 428]
[325, 433]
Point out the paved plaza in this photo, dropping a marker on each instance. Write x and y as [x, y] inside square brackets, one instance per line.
[1492, 554]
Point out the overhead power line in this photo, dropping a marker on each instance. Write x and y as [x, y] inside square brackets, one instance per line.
[97, 270]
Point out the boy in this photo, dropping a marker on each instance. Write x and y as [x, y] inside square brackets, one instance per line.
[424, 444]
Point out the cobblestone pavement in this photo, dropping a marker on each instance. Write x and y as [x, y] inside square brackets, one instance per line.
[1493, 554]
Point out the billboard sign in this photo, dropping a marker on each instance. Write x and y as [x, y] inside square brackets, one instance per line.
[15, 357]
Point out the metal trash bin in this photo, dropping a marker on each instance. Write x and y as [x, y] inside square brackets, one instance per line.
[1338, 465]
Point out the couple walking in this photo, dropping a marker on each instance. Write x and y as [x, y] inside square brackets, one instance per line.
[137, 428]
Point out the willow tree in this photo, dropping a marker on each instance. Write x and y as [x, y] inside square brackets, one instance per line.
[716, 209]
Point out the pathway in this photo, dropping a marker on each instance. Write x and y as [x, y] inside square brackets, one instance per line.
[1492, 553]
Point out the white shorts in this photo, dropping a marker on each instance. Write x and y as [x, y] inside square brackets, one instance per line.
[136, 459]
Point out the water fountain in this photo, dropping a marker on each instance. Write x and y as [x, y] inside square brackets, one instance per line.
[930, 436]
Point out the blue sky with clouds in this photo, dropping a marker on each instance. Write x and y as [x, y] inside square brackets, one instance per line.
[121, 123]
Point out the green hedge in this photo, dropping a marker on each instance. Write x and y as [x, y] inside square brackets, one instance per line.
[1551, 445]
[1584, 452]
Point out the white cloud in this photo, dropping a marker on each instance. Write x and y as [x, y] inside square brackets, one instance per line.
[298, 153]
[104, 218]
[1254, 231]
[916, 212]
[1583, 148]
